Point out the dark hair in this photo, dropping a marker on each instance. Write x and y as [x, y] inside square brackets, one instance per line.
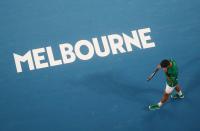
[164, 63]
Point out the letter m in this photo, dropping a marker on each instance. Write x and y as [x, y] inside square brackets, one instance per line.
[26, 57]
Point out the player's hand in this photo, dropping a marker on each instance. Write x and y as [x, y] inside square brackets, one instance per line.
[158, 66]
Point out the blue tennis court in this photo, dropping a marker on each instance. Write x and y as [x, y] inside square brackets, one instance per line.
[101, 94]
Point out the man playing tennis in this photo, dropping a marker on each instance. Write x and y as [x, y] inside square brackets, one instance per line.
[171, 71]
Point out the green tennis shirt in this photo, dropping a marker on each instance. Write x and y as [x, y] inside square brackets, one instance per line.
[172, 73]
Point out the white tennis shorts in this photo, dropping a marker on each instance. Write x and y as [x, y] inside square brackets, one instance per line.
[169, 89]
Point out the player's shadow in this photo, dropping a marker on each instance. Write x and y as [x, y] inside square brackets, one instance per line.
[109, 82]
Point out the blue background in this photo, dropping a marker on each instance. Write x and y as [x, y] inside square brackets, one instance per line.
[102, 94]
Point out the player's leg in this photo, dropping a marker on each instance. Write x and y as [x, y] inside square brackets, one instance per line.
[178, 93]
[164, 99]
[177, 88]
[167, 92]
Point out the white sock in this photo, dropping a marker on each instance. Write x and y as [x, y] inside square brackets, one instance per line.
[160, 104]
[180, 93]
